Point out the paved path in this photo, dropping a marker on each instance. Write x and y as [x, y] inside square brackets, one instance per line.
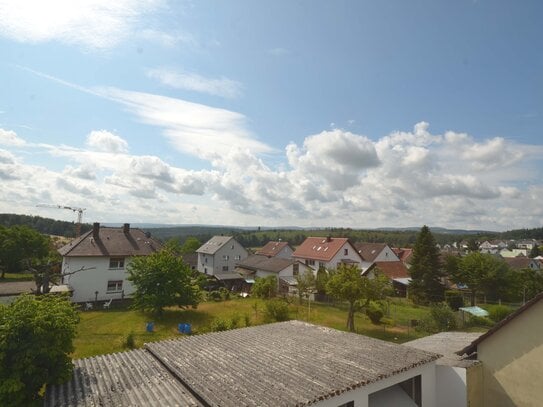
[17, 287]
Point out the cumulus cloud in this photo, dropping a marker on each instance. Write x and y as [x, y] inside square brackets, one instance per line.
[103, 140]
[10, 138]
[95, 24]
[223, 87]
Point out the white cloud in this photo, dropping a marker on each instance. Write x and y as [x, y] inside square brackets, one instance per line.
[168, 39]
[10, 138]
[95, 24]
[103, 140]
[224, 87]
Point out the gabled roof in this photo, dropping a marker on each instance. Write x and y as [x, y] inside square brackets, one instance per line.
[391, 269]
[320, 248]
[214, 244]
[258, 262]
[283, 364]
[370, 251]
[520, 262]
[270, 249]
[403, 254]
[473, 346]
[111, 242]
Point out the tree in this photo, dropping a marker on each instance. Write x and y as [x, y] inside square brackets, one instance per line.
[482, 273]
[36, 339]
[322, 279]
[190, 245]
[536, 251]
[346, 284]
[161, 280]
[19, 247]
[426, 271]
[305, 284]
[265, 287]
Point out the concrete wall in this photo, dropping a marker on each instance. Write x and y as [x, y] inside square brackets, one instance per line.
[86, 283]
[512, 361]
[451, 386]
[474, 382]
[360, 396]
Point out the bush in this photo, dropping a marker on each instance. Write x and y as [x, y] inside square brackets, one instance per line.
[479, 321]
[454, 299]
[374, 313]
[247, 319]
[276, 310]
[130, 341]
[219, 324]
[234, 321]
[265, 287]
[214, 295]
[498, 312]
[441, 318]
[224, 293]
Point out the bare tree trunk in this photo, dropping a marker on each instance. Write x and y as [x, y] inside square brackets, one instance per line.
[350, 317]
[473, 295]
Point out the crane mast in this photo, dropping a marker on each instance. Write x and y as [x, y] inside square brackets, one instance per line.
[71, 208]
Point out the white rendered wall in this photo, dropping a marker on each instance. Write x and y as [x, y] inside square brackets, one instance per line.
[352, 254]
[94, 278]
[451, 386]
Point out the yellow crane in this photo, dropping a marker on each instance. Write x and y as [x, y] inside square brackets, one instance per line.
[78, 210]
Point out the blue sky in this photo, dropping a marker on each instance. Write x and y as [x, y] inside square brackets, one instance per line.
[309, 113]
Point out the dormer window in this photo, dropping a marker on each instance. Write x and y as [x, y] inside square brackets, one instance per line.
[345, 252]
[116, 263]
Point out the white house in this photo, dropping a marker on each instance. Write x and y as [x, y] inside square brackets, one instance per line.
[283, 364]
[94, 265]
[219, 255]
[375, 252]
[327, 252]
[276, 249]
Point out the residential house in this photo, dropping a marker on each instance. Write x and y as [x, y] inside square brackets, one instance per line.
[94, 264]
[458, 378]
[519, 263]
[527, 244]
[514, 252]
[285, 270]
[283, 364]
[395, 271]
[328, 252]
[219, 256]
[372, 252]
[276, 249]
[511, 353]
[404, 254]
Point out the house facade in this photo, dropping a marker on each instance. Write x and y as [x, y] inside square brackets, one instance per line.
[219, 255]
[94, 266]
[327, 252]
[375, 252]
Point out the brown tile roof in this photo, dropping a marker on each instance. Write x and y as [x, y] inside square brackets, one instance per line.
[473, 346]
[369, 251]
[111, 242]
[518, 263]
[391, 269]
[259, 262]
[320, 248]
[270, 249]
[403, 254]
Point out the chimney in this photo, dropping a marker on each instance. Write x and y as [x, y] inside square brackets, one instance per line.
[96, 230]
[328, 238]
[126, 228]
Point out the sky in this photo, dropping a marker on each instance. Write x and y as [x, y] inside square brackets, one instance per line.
[360, 114]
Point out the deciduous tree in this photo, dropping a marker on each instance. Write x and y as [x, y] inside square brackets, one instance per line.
[161, 280]
[36, 339]
[265, 287]
[426, 270]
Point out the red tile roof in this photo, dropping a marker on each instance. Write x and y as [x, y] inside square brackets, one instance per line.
[270, 249]
[403, 254]
[320, 248]
[391, 269]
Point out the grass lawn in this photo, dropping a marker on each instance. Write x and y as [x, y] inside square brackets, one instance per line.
[106, 331]
[10, 277]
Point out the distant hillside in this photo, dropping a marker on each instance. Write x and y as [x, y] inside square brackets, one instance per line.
[43, 225]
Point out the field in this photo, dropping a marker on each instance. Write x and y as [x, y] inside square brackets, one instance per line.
[106, 331]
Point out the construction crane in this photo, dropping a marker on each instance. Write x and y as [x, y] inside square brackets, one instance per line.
[78, 210]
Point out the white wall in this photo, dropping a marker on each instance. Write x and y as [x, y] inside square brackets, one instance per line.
[360, 396]
[85, 283]
[352, 254]
[451, 386]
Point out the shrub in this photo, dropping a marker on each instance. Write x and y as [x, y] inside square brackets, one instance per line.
[214, 295]
[265, 287]
[130, 341]
[374, 313]
[498, 312]
[234, 321]
[219, 324]
[441, 318]
[454, 299]
[276, 310]
[247, 319]
[479, 321]
[224, 293]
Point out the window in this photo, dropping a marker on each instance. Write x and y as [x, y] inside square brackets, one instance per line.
[205, 260]
[232, 247]
[205, 270]
[225, 257]
[345, 252]
[348, 404]
[116, 263]
[114, 286]
[310, 262]
[295, 269]
[322, 265]
[224, 268]
[238, 257]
